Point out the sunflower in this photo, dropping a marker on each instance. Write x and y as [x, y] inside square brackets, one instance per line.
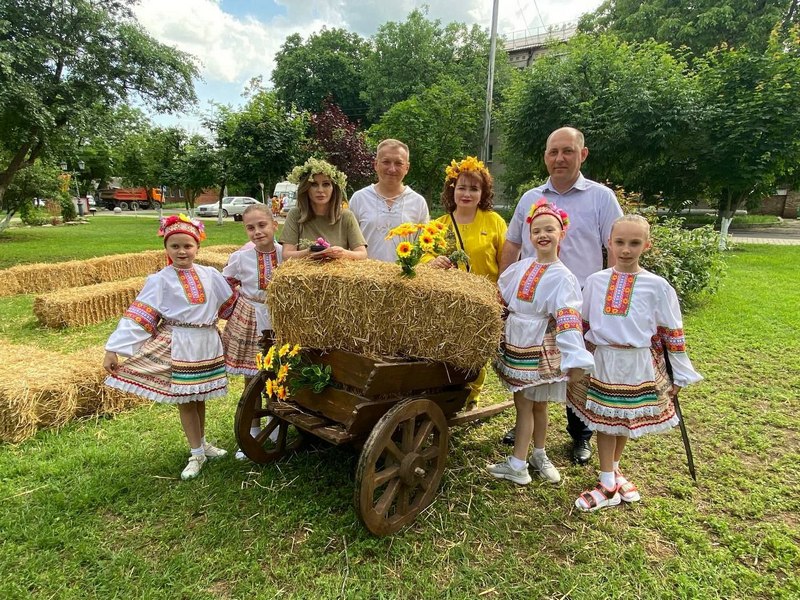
[259, 361]
[404, 249]
[270, 388]
[281, 392]
[282, 373]
[294, 351]
[284, 350]
[267, 364]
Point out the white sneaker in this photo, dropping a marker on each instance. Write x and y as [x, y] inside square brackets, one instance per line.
[192, 470]
[545, 468]
[504, 470]
[213, 452]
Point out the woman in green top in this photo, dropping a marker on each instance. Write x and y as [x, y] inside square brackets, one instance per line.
[319, 214]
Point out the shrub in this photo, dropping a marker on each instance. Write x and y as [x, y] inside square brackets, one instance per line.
[690, 259]
[33, 216]
[68, 212]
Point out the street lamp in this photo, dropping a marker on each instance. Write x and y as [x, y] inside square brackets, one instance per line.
[81, 165]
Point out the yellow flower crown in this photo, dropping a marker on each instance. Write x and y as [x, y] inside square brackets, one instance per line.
[470, 163]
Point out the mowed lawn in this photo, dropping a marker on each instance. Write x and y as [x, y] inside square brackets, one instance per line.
[96, 510]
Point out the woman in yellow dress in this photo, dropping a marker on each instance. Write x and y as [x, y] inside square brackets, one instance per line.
[478, 230]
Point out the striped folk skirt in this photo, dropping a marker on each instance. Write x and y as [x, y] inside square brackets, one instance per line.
[177, 365]
[629, 393]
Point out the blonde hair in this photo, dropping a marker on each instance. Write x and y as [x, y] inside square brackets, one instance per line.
[260, 208]
[633, 218]
[391, 143]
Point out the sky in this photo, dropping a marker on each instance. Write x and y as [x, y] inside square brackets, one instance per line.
[236, 40]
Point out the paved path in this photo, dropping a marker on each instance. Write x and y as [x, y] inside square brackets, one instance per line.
[785, 234]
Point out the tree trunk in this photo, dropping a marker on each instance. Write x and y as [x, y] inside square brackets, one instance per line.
[6, 222]
[219, 205]
[727, 209]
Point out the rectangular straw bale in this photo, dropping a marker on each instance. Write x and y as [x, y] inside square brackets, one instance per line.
[124, 266]
[370, 308]
[9, 284]
[38, 389]
[45, 277]
[86, 305]
[212, 259]
[95, 398]
[221, 248]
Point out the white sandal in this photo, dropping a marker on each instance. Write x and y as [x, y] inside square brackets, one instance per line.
[599, 497]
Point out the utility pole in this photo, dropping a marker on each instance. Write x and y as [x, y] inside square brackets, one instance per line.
[487, 118]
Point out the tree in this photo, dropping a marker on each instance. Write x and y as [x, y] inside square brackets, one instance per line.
[339, 141]
[328, 65]
[61, 60]
[751, 129]
[261, 142]
[633, 102]
[37, 181]
[410, 57]
[697, 24]
[439, 124]
[196, 169]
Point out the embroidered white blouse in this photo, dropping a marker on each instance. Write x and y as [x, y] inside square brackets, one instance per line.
[534, 293]
[637, 310]
[252, 271]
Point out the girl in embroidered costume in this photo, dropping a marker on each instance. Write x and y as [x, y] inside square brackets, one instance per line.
[170, 333]
[249, 270]
[543, 345]
[632, 317]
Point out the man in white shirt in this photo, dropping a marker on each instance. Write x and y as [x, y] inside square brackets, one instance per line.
[385, 205]
[592, 210]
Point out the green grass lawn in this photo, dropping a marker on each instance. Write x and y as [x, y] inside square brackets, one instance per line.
[97, 510]
[105, 234]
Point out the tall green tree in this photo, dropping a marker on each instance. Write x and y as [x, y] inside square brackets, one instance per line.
[634, 103]
[751, 130]
[411, 56]
[261, 142]
[440, 123]
[61, 59]
[329, 64]
[697, 24]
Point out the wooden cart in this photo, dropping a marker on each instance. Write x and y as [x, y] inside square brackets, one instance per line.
[397, 411]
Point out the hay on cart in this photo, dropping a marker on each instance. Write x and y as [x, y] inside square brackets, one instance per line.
[370, 308]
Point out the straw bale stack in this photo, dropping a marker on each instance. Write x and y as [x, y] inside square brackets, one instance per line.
[46, 277]
[368, 307]
[40, 389]
[9, 284]
[86, 305]
[221, 248]
[212, 259]
[124, 266]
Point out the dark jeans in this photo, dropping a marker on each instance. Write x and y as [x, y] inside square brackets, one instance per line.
[576, 428]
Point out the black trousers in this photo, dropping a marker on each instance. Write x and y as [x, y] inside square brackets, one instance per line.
[576, 428]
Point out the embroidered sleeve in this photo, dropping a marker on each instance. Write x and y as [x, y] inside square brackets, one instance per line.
[226, 310]
[672, 339]
[568, 319]
[144, 315]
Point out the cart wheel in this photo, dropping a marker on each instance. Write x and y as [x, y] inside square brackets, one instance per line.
[401, 465]
[261, 449]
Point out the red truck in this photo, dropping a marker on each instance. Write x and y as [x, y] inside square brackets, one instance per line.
[130, 198]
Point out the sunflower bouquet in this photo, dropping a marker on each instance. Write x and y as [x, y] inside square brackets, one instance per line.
[416, 240]
[288, 372]
[278, 362]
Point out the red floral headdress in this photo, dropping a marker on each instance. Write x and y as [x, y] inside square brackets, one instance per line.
[543, 207]
[182, 224]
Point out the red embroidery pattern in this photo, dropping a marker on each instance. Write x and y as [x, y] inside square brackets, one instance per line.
[192, 286]
[144, 315]
[618, 294]
[673, 339]
[226, 310]
[267, 263]
[568, 319]
[529, 281]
